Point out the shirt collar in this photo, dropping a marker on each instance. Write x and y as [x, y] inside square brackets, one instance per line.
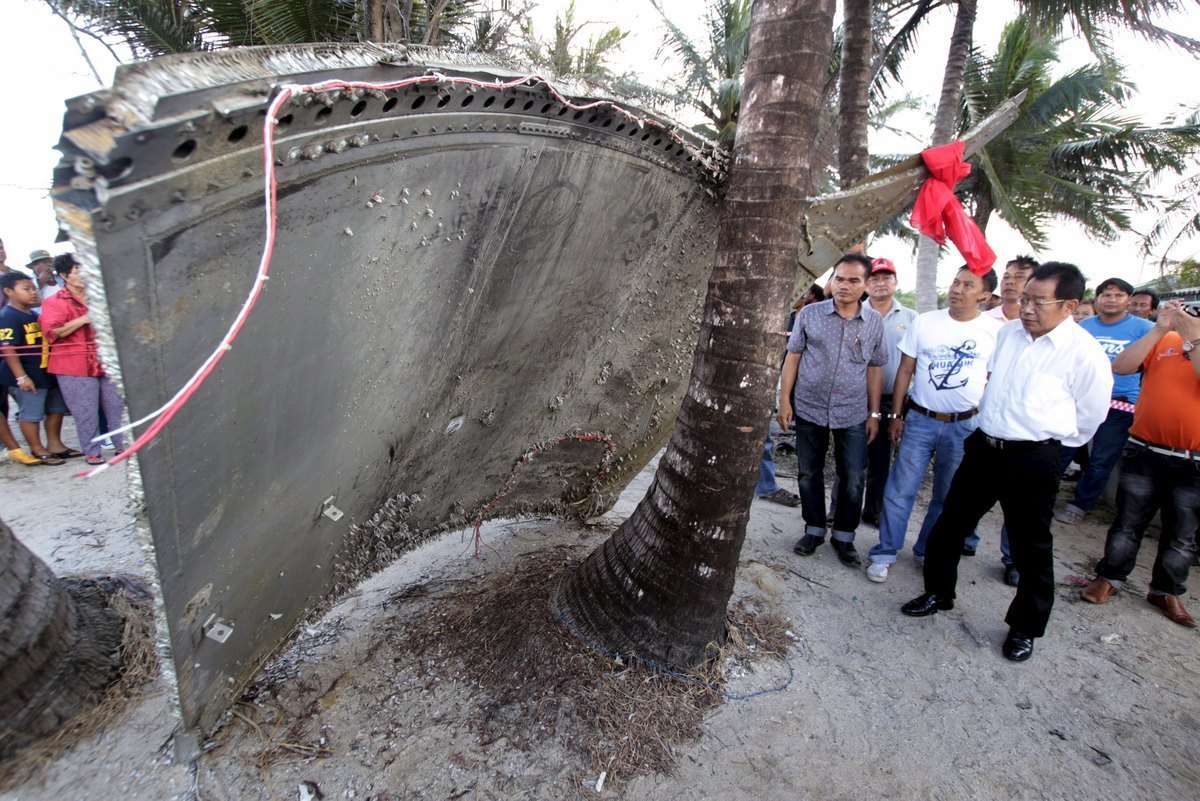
[893, 309]
[1059, 335]
[858, 315]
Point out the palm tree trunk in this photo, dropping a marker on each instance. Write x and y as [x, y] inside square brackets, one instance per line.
[374, 13]
[59, 645]
[854, 84]
[658, 588]
[943, 128]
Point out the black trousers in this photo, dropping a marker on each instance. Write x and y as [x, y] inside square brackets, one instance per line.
[879, 464]
[1024, 479]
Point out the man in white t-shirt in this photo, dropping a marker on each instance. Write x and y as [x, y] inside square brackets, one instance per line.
[942, 372]
[1012, 283]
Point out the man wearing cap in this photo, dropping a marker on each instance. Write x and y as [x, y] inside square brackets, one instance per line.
[1048, 387]
[41, 267]
[831, 384]
[1161, 466]
[881, 286]
[1115, 329]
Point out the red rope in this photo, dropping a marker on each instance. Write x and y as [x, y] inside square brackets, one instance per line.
[162, 416]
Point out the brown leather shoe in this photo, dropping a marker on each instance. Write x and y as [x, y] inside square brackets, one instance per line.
[1172, 607]
[1098, 592]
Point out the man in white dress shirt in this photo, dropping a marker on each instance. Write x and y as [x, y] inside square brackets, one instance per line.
[1049, 387]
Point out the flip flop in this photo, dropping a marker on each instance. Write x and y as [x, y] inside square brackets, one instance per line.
[49, 459]
[69, 453]
[96, 460]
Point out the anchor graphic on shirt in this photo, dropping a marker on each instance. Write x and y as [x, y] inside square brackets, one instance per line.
[962, 353]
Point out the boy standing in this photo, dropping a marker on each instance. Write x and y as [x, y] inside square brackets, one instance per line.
[23, 365]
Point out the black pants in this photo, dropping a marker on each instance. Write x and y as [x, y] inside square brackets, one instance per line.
[1024, 479]
[879, 463]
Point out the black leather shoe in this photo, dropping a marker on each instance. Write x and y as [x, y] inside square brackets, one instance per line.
[847, 553]
[1012, 576]
[968, 550]
[807, 544]
[1017, 647]
[927, 604]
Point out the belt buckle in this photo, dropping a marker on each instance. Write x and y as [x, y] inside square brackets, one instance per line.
[993, 442]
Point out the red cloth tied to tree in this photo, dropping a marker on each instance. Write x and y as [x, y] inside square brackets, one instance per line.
[938, 214]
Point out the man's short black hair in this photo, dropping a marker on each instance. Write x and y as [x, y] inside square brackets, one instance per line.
[990, 279]
[1153, 297]
[857, 258]
[1024, 262]
[817, 292]
[1070, 281]
[10, 279]
[63, 263]
[1116, 283]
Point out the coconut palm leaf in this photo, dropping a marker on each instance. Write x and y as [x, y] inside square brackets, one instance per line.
[1094, 18]
[1069, 155]
[286, 21]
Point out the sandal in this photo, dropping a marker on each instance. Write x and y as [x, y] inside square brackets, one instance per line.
[48, 458]
[96, 460]
[69, 453]
[20, 455]
[782, 497]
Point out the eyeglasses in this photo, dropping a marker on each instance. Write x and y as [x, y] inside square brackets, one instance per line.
[1038, 303]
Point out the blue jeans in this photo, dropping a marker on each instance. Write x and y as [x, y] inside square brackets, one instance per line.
[766, 471]
[850, 458]
[1107, 445]
[1150, 482]
[925, 440]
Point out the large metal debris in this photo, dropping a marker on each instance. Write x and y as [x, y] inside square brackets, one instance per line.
[463, 276]
[460, 275]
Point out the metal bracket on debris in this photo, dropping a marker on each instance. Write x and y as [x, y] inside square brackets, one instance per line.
[329, 510]
[217, 629]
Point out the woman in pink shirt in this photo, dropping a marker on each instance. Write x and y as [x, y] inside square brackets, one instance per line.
[86, 389]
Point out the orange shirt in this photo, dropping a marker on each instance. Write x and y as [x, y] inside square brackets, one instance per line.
[1168, 410]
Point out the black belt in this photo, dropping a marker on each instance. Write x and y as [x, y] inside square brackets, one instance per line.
[944, 417]
[1016, 444]
[1166, 450]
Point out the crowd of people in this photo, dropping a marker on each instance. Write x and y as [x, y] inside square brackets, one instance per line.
[49, 365]
[998, 396]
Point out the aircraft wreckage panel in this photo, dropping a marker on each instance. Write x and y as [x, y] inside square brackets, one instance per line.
[438, 306]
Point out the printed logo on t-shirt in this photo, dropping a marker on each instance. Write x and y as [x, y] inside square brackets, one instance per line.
[1167, 352]
[948, 363]
[1113, 347]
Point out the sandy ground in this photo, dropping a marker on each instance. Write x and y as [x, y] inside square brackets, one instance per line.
[878, 705]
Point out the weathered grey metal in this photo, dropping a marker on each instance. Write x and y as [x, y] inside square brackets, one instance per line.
[460, 275]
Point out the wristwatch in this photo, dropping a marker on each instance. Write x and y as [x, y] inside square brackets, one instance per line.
[875, 415]
[1191, 345]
